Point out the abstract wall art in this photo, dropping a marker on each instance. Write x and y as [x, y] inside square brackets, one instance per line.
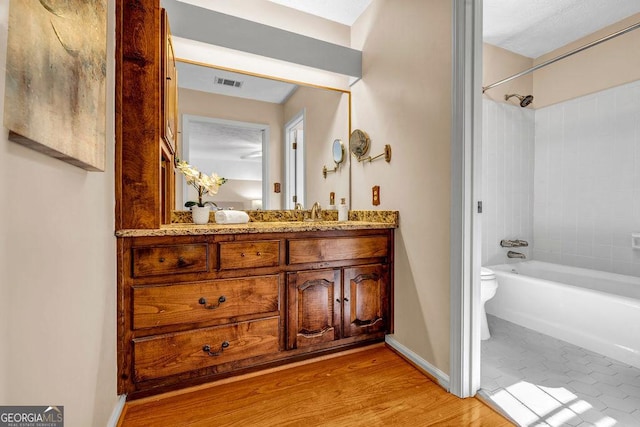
[55, 95]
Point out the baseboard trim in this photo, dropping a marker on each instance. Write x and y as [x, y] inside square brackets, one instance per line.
[117, 411]
[439, 376]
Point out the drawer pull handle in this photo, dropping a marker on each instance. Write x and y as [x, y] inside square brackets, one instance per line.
[161, 259]
[203, 301]
[181, 262]
[258, 253]
[207, 349]
[242, 254]
[345, 299]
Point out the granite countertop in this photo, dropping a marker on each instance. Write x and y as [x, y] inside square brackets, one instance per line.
[270, 222]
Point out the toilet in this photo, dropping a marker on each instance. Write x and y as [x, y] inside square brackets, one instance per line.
[489, 286]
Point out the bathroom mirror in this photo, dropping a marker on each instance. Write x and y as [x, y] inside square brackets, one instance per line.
[338, 151]
[359, 143]
[257, 132]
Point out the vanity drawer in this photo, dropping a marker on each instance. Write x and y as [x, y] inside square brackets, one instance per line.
[249, 254]
[173, 259]
[200, 302]
[170, 354]
[340, 248]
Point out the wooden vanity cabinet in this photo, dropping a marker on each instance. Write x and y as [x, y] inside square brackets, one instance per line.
[193, 309]
[330, 305]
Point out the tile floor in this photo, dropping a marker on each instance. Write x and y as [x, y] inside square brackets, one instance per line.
[538, 380]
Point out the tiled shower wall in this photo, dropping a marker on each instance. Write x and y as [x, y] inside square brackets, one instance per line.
[587, 181]
[507, 179]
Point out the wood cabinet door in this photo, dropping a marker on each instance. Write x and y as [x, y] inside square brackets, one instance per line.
[366, 300]
[314, 307]
[169, 85]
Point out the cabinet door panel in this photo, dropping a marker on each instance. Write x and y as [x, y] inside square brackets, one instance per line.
[314, 307]
[365, 300]
[169, 86]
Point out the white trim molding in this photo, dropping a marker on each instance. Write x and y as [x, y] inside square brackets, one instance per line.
[441, 377]
[465, 186]
[117, 411]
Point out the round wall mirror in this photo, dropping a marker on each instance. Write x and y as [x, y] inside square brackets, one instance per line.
[338, 151]
[359, 143]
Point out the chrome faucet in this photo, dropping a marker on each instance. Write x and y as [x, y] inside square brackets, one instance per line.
[513, 243]
[316, 212]
[514, 254]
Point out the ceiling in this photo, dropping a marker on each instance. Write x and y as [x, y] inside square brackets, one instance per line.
[224, 141]
[534, 27]
[343, 11]
[528, 27]
[202, 78]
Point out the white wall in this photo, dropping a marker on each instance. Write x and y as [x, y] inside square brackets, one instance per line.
[57, 274]
[507, 179]
[404, 99]
[587, 181]
[4, 266]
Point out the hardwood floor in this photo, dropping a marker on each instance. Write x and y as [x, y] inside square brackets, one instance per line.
[375, 387]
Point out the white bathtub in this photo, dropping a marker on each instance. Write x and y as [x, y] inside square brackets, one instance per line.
[592, 309]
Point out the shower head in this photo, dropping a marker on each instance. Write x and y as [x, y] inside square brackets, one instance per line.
[524, 100]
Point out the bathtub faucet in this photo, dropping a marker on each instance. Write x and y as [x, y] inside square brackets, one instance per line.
[514, 254]
[513, 243]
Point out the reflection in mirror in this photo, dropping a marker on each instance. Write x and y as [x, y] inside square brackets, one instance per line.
[234, 124]
[231, 149]
[338, 151]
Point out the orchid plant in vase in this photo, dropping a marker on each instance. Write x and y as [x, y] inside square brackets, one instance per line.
[204, 184]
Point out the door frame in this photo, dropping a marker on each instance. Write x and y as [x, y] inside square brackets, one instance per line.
[466, 145]
[301, 116]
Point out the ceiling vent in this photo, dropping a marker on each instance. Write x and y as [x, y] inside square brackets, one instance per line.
[228, 82]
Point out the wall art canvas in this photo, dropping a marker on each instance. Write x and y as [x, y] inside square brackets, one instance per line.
[55, 96]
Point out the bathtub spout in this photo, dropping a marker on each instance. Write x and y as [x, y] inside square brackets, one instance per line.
[514, 254]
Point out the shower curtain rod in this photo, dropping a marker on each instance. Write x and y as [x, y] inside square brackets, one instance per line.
[563, 56]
